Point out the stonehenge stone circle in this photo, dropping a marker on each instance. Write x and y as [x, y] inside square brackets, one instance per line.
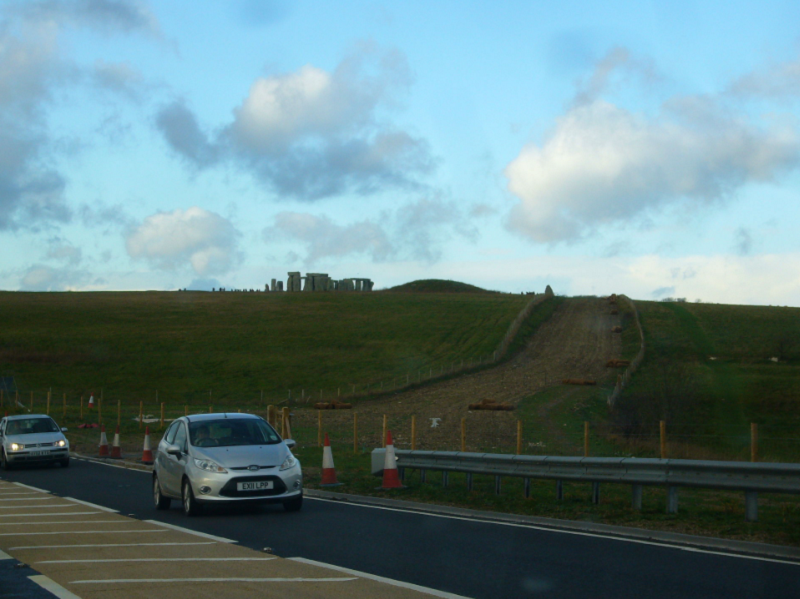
[318, 281]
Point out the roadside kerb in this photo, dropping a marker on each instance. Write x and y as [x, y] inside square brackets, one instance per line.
[110, 555]
[749, 477]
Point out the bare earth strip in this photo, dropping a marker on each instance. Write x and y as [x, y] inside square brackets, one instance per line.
[576, 342]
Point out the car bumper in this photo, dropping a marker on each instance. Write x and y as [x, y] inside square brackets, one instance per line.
[213, 488]
[26, 457]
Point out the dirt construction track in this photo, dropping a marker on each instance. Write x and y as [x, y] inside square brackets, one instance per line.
[576, 342]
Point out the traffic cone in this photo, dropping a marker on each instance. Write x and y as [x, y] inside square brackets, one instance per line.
[91, 401]
[147, 454]
[116, 453]
[328, 470]
[103, 442]
[391, 478]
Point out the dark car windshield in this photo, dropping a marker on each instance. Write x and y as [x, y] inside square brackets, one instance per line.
[226, 432]
[29, 426]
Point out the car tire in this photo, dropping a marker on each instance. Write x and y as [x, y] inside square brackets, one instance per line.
[162, 502]
[65, 463]
[190, 505]
[4, 463]
[294, 504]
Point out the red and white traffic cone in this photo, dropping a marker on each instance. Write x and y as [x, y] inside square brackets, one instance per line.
[103, 442]
[391, 478]
[116, 452]
[328, 469]
[91, 400]
[147, 453]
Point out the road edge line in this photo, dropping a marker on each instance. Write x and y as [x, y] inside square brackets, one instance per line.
[48, 584]
[191, 532]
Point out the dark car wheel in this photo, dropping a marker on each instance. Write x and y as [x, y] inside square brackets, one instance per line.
[190, 505]
[4, 464]
[294, 504]
[162, 503]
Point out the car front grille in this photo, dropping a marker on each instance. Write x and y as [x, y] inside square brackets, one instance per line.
[230, 490]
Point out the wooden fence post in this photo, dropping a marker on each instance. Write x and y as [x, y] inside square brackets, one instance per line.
[286, 430]
[383, 440]
[162, 414]
[753, 442]
[519, 437]
[319, 428]
[663, 430]
[355, 432]
[463, 434]
[585, 439]
[413, 432]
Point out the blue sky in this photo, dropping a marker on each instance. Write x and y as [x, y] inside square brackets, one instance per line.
[646, 148]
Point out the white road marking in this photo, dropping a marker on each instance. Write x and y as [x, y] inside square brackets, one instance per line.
[62, 522]
[36, 507]
[665, 544]
[4, 555]
[389, 581]
[93, 461]
[151, 580]
[31, 499]
[37, 489]
[160, 559]
[77, 532]
[107, 545]
[41, 515]
[16, 493]
[191, 532]
[94, 505]
[52, 586]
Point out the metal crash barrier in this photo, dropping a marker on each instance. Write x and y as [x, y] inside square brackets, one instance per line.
[749, 477]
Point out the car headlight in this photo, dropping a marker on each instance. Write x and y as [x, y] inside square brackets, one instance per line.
[289, 462]
[60, 443]
[17, 446]
[209, 466]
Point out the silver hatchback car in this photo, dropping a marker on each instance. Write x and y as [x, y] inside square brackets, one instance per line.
[32, 439]
[213, 458]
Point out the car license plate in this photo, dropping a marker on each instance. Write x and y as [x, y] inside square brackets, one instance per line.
[35, 453]
[258, 485]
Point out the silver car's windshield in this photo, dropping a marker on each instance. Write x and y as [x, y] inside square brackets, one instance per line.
[231, 431]
[29, 426]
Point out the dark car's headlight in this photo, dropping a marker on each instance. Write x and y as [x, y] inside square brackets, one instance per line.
[289, 462]
[209, 466]
[17, 446]
[60, 443]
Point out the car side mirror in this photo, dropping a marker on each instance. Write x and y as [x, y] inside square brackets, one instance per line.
[64, 429]
[290, 443]
[174, 450]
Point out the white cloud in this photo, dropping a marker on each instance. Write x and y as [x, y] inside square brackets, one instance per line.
[45, 278]
[604, 164]
[415, 230]
[170, 240]
[311, 133]
[780, 80]
[64, 251]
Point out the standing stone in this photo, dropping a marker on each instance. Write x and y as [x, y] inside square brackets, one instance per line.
[280, 285]
[272, 286]
[549, 290]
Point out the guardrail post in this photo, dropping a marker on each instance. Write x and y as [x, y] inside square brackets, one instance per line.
[527, 488]
[751, 506]
[559, 490]
[636, 497]
[445, 477]
[672, 500]
[422, 476]
[401, 472]
[469, 481]
[497, 480]
[595, 493]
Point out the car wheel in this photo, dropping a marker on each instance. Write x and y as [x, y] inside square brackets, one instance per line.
[294, 504]
[65, 463]
[190, 505]
[4, 464]
[162, 503]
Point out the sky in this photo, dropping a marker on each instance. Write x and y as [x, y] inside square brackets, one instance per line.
[645, 148]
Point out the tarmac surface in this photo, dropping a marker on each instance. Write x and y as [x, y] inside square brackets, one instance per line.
[334, 548]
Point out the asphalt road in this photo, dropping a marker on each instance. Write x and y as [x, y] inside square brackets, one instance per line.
[474, 559]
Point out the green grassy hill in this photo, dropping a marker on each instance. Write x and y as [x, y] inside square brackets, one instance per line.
[437, 286]
[237, 345]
